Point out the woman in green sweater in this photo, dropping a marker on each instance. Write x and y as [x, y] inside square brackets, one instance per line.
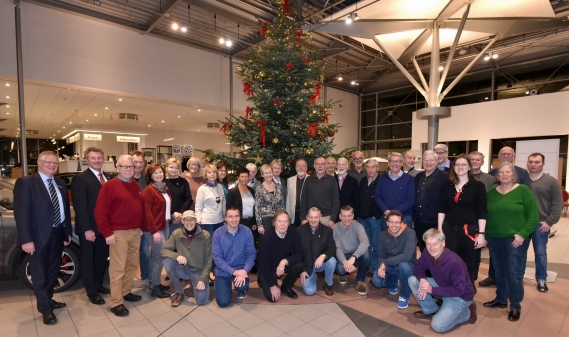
[511, 219]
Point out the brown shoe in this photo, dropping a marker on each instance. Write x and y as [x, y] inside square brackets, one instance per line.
[177, 300]
[328, 289]
[473, 316]
[421, 315]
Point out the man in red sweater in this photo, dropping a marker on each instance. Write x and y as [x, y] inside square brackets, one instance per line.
[119, 213]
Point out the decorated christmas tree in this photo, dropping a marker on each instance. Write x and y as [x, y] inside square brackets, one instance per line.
[287, 118]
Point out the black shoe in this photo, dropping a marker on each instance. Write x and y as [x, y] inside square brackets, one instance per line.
[542, 286]
[514, 315]
[57, 305]
[421, 315]
[161, 287]
[160, 293]
[288, 292]
[130, 297]
[494, 304]
[120, 310]
[97, 299]
[49, 318]
[487, 282]
[438, 301]
[473, 317]
[104, 290]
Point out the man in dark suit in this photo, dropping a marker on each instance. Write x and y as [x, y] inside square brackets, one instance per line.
[348, 185]
[94, 250]
[43, 219]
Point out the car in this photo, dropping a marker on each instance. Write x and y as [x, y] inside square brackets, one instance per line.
[14, 263]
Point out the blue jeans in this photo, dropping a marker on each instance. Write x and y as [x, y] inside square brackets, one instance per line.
[211, 228]
[509, 270]
[173, 227]
[144, 258]
[407, 219]
[309, 286]
[362, 263]
[393, 275]
[372, 227]
[176, 272]
[155, 263]
[223, 289]
[453, 311]
[539, 241]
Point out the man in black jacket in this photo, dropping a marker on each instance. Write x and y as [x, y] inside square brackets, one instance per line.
[94, 250]
[319, 251]
[428, 187]
[368, 211]
[347, 185]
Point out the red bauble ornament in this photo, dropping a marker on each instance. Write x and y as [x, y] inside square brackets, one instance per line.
[290, 161]
[331, 133]
[289, 66]
[242, 154]
[340, 105]
[258, 22]
[307, 61]
[300, 122]
[249, 140]
[350, 155]
[309, 172]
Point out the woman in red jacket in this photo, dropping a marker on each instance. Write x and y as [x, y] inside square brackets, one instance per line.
[157, 215]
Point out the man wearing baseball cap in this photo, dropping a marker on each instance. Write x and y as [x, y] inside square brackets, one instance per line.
[187, 256]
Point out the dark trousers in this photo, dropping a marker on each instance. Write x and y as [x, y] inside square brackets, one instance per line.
[463, 246]
[94, 257]
[292, 273]
[44, 268]
[249, 223]
[420, 229]
[297, 219]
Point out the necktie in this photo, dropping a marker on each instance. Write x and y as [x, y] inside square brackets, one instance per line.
[101, 178]
[55, 203]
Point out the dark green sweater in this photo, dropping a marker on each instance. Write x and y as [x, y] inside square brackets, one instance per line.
[512, 213]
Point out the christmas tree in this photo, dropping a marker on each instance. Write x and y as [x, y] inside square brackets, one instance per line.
[287, 119]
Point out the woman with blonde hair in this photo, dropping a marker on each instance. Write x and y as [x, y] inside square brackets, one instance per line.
[210, 201]
[277, 167]
[194, 178]
[269, 198]
[179, 190]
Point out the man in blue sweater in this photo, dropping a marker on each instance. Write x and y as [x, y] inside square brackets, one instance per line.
[395, 191]
[397, 256]
[234, 255]
[449, 282]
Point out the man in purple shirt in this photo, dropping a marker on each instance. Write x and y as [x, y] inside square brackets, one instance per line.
[449, 282]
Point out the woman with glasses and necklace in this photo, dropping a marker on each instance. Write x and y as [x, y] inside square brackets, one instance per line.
[269, 198]
[179, 189]
[157, 214]
[462, 214]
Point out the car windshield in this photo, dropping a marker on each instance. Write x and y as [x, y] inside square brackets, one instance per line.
[7, 193]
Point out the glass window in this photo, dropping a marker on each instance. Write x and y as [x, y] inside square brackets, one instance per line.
[368, 134]
[368, 118]
[394, 131]
[368, 102]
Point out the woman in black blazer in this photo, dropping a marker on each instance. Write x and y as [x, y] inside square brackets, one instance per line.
[243, 197]
[462, 214]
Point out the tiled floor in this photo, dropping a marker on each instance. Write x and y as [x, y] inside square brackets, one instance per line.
[344, 314]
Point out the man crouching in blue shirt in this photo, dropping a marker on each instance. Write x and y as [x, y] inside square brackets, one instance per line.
[450, 282]
[234, 256]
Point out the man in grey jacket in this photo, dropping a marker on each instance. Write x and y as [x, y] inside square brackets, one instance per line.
[352, 247]
[397, 256]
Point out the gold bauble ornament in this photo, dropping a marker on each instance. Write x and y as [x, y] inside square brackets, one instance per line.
[313, 112]
[251, 61]
[299, 99]
[294, 132]
[259, 49]
[276, 141]
[279, 112]
[262, 74]
[309, 152]
[292, 145]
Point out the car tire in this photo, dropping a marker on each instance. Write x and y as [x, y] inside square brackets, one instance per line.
[69, 273]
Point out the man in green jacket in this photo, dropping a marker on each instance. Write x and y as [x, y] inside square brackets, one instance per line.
[187, 256]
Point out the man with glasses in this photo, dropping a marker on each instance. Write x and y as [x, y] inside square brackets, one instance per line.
[321, 191]
[295, 186]
[506, 155]
[94, 250]
[444, 163]
[358, 171]
[119, 214]
[395, 191]
[397, 256]
[429, 184]
[43, 219]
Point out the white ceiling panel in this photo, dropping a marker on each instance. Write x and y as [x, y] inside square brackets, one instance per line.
[509, 8]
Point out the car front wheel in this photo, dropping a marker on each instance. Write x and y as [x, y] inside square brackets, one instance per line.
[69, 271]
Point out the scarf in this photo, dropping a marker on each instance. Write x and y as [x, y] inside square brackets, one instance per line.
[161, 187]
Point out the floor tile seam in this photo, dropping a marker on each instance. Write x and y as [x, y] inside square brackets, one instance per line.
[330, 333]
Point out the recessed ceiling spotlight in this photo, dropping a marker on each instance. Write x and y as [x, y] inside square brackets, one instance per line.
[199, 110]
[7, 106]
[228, 43]
[148, 124]
[70, 122]
[64, 127]
[184, 29]
[175, 26]
[199, 130]
[485, 97]
[58, 131]
[162, 121]
[120, 99]
[86, 120]
[441, 68]
[179, 116]
[106, 108]
[7, 113]
[7, 84]
[221, 40]
[95, 115]
[7, 96]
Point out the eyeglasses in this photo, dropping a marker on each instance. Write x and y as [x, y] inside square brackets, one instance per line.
[126, 167]
[461, 165]
[440, 152]
[429, 160]
[396, 161]
[506, 154]
[50, 162]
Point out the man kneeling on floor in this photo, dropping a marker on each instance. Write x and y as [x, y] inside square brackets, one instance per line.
[450, 282]
[352, 247]
[234, 255]
[187, 256]
[319, 250]
[397, 255]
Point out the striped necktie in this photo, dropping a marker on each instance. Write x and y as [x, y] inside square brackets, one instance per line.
[55, 203]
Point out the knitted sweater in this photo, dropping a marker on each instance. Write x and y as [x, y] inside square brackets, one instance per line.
[394, 250]
[512, 213]
[352, 240]
[119, 207]
[154, 210]
[395, 195]
[273, 249]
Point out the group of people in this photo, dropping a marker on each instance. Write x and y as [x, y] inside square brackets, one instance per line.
[337, 220]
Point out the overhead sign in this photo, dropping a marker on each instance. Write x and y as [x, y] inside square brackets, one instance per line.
[93, 136]
[73, 139]
[128, 139]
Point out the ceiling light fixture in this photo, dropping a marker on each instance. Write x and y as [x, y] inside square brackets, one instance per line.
[95, 115]
[353, 82]
[106, 108]
[148, 125]
[441, 68]
[7, 106]
[120, 99]
[184, 29]
[486, 57]
[168, 139]
[7, 84]
[162, 121]
[349, 19]
[221, 40]
[356, 17]
[494, 55]
[527, 92]
[199, 110]
[175, 26]
[7, 113]
[340, 77]
[179, 116]
[7, 96]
